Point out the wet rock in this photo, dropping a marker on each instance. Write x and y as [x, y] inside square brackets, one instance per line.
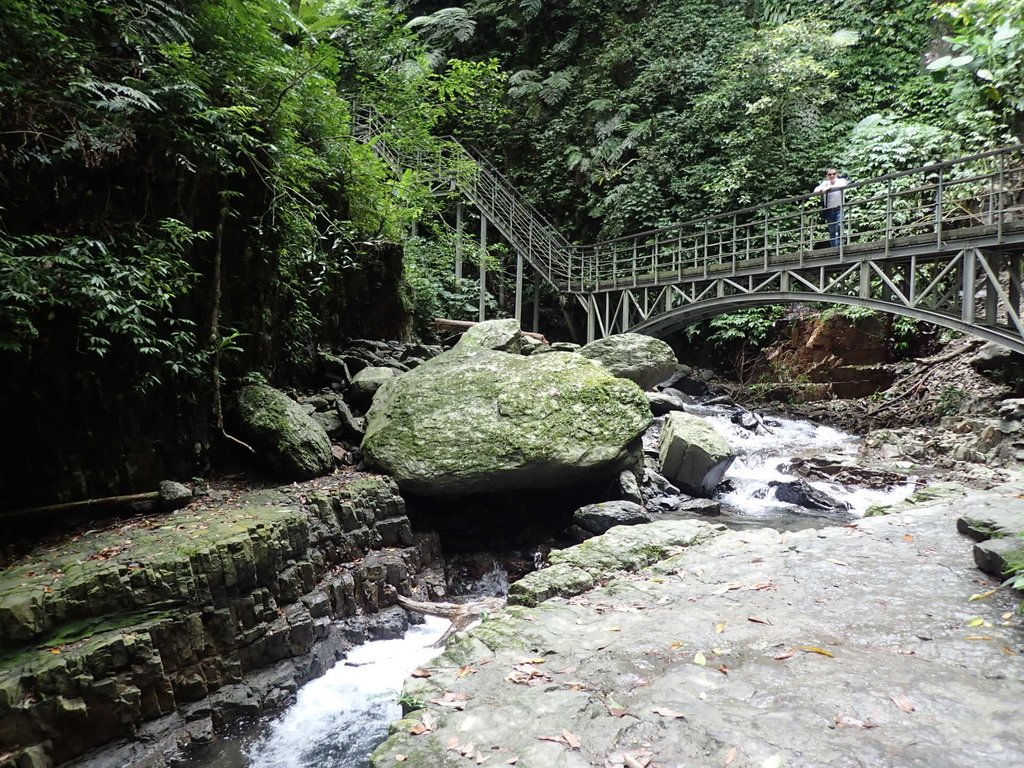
[999, 557]
[476, 420]
[354, 426]
[704, 507]
[173, 495]
[665, 402]
[500, 335]
[692, 454]
[294, 445]
[365, 384]
[598, 518]
[623, 548]
[644, 360]
[798, 492]
[629, 487]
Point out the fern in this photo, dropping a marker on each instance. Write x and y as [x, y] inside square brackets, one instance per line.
[445, 25]
[116, 97]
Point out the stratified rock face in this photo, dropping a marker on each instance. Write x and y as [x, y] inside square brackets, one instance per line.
[642, 359]
[693, 455]
[294, 444]
[185, 612]
[476, 420]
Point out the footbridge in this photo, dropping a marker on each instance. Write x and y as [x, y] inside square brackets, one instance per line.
[943, 243]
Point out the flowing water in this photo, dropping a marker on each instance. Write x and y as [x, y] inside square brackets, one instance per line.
[340, 718]
[764, 456]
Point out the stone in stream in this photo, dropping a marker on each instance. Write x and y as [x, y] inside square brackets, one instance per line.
[801, 494]
[692, 454]
[292, 443]
[666, 402]
[475, 420]
[598, 518]
[642, 359]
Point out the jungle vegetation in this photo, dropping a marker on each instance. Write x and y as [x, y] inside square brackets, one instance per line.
[183, 200]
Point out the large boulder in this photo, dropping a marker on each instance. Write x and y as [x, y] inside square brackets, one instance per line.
[502, 335]
[366, 383]
[642, 359]
[474, 420]
[692, 454]
[295, 446]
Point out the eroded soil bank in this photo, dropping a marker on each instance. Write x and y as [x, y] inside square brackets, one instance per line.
[874, 644]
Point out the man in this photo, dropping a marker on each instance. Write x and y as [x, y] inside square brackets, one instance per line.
[832, 189]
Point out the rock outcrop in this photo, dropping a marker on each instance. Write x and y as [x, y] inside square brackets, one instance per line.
[477, 420]
[641, 359]
[692, 454]
[294, 444]
[198, 617]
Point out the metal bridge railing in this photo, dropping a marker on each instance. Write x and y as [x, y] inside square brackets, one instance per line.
[924, 205]
[455, 167]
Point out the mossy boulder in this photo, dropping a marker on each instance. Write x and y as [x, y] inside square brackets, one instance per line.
[477, 420]
[502, 335]
[366, 383]
[641, 359]
[692, 454]
[293, 444]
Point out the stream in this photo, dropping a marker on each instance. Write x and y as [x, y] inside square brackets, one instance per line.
[340, 718]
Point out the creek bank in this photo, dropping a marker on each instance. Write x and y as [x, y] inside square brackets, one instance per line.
[165, 629]
[876, 643]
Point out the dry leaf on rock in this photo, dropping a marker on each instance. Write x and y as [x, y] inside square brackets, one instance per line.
[817, 650]
[730, 756]
[902, 702]
[848, 721]
[758, 620]
[453, 700]
[420, 672]
[666, 712]
[426, 724]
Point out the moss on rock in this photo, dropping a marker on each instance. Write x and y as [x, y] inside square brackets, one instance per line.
[292, 442]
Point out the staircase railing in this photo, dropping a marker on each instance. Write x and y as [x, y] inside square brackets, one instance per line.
[458, 168]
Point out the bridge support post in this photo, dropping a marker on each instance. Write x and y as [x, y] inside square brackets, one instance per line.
[865, 280]
[519, 288]
[591, 318]
[536, 302]
[1015, 282]
[483, 267]
[458, 241]
[967, 276]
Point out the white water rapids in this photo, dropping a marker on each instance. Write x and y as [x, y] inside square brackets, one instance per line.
[340, 718]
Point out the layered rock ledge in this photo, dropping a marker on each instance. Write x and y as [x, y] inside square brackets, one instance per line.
[176, 625]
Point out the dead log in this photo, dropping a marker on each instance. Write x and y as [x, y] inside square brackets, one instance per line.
[461, 615]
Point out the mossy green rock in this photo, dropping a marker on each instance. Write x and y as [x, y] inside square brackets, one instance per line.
[476, 420]
[291, 441]
[692, 454]
[623, 548]
[502, 335]
[641, 359]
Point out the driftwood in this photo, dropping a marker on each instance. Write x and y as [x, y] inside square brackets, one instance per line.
[145, 502]
[461, 615]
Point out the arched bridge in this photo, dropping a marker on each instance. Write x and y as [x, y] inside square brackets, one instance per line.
[942, 243]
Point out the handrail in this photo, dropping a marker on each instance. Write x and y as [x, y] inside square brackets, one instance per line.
[779, 231]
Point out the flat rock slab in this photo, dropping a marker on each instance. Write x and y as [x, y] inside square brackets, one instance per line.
[997, 524]
[858, 645]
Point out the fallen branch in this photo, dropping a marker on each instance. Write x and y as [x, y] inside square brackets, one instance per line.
[461, 615]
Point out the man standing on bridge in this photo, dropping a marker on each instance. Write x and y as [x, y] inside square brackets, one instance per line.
[832, 189]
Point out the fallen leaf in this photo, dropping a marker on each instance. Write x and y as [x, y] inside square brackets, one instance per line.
[1007, 615]
[631, 762]
[537, 660]
[775, 761]
[400, 758]
[982, 595]
[615, 629]
[677, 645]
[700, 658]
[838, 562]
[977, 621]
[758, 620]
[720, 627]
[979, 637]
[666, 712]
[723, 669]
[816, 649]
[55, 651]
[848, 721]
[786, 655]
[512, 760]
[908, 537]
[426, 724]
[1009, 651]
[571, 739]
[420, 672]
[452, 699]
[730, 756]
[466, 669]
[902, 702]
